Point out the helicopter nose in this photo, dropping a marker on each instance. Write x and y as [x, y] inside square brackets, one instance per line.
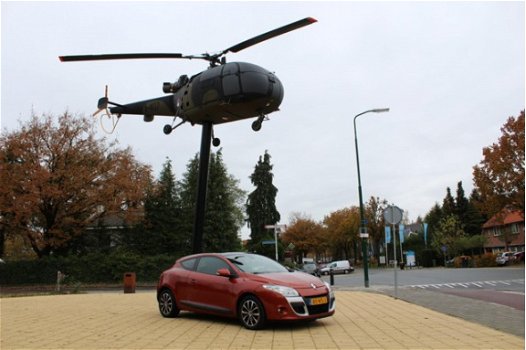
[277, 92]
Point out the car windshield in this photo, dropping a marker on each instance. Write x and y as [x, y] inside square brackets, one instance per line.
[256, 264]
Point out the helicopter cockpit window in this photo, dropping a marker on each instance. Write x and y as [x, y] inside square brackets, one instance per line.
[211, 73]
[231, 85]
[255, 83]
[231, 68]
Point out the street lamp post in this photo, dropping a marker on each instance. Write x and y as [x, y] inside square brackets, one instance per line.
[363, 223]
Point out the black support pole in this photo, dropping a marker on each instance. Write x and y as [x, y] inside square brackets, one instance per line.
[204, 159]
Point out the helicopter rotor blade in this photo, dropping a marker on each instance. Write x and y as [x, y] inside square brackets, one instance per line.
[271, 34]
[121, 56]
[213, 59]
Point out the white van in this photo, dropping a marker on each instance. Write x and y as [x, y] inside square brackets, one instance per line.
[341, 266]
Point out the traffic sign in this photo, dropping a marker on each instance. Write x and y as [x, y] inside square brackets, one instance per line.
[268, 242]
[393, 214]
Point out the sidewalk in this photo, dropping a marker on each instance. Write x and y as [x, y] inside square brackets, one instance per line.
[363, 320]
[496, 316]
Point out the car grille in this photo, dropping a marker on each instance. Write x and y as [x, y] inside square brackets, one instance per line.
[299, 308]
[303, 306]
[318, 309]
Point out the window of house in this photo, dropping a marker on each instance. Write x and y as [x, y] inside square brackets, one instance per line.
[496, 231]
[515, 228]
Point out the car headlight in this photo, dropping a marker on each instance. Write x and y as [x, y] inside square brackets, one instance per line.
[331, 293]
[285, 291]
[328, 285]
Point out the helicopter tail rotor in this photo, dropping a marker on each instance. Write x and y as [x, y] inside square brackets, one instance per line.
[102, 106]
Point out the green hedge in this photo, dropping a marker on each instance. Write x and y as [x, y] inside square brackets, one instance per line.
[91, 268]
[428, 255]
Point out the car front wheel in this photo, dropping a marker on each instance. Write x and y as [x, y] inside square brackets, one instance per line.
[167, 305]
[251, 313]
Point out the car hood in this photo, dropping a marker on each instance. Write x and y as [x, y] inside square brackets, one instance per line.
[298, 280]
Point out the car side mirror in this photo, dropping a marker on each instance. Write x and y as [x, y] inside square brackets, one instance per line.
[225, 273]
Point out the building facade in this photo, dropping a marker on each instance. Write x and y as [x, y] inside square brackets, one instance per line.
[504, 232]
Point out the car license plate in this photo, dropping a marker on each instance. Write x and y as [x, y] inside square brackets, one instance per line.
[318, 301]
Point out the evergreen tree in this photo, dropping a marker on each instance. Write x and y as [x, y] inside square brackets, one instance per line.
[461, 203]
[432, 218]
[224, 217]
[223, 211]
[261, 204]
[188, 187]
[467, 213]
[474, 219]
[448, 204]
[163, 215]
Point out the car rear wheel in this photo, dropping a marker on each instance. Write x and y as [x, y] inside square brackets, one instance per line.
[251, 313]
[167, 305]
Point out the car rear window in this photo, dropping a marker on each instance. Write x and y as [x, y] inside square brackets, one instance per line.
[188, 264]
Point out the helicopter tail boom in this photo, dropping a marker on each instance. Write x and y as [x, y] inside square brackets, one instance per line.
[148, 108]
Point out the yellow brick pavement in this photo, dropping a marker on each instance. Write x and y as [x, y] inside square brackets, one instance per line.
[131, 321]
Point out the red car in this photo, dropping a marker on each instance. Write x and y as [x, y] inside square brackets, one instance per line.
[251, 287]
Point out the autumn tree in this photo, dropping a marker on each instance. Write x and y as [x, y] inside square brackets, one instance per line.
[261, 203]
[56, 178]
[499, 177]
[306, 235]
[342, 231]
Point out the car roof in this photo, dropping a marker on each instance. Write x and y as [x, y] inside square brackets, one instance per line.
[227, 254]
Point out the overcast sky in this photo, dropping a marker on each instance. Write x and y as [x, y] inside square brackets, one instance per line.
[451, 73]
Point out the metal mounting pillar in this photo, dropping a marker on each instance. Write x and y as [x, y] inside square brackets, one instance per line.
[202, 184]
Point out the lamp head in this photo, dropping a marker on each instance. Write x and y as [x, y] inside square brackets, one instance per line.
[380, 110]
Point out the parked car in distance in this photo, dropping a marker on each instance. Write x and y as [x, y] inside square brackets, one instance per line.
[341, 266]
[518, 257]
[504, 258]
[251, 287]
[311, 268]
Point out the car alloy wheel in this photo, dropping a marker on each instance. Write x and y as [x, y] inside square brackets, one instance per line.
[251, 313]
[167, 305]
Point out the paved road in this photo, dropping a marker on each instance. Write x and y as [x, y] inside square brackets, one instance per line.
[493, 297]
[432, 276]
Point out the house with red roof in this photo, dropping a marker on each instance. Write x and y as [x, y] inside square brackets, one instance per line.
[504, 232]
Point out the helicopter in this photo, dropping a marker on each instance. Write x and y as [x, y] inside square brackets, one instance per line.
[225, 92]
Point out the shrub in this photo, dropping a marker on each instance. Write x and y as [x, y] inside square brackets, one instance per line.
[485, 260]
[90, 268]
[428, 255]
